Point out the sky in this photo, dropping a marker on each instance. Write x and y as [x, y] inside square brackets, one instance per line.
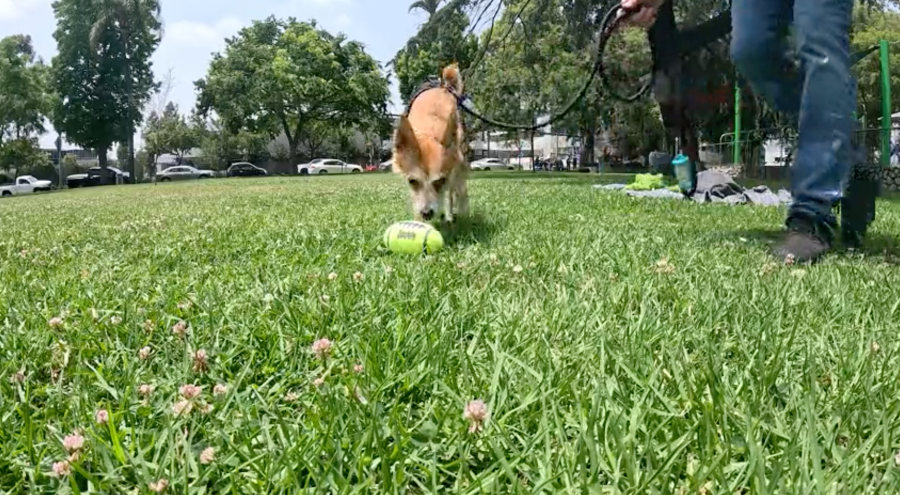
[194, 29]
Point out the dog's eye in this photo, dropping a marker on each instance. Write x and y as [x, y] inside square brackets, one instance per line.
[414, 183]
[438, 184]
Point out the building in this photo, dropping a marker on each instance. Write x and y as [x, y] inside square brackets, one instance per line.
[85, 157]
[547, 146]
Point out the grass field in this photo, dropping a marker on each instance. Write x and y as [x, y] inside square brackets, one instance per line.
[618, 345]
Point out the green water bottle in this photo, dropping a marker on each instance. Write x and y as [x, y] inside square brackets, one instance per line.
[686, 173]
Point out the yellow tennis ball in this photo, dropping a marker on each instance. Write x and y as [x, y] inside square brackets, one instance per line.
[413, 238]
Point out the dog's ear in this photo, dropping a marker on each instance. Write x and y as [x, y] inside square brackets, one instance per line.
[405, 139]
[451, 134]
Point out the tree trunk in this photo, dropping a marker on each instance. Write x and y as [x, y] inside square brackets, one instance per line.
[533, 154]
[587, 151]
[130, 90]
[292, 155]
[59, 161]
[137, 173]
[104, 164]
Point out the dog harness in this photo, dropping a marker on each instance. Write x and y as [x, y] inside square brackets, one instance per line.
[435, 83]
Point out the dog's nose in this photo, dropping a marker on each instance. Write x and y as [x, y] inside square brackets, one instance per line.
[427, 214]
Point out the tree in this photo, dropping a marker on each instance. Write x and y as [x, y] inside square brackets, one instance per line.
[316, 135]
[283, 76]
[434, 47]
[154, 140]
[172, 133]
[95, 105]
[122, 153]
[22, 154]
[538, 56]
[138, 28]
[160, 97]
[220, 147]
[142, 160]
[539, 52]
[69, 164]
[24, 103]
[869, 28]
[430, 7]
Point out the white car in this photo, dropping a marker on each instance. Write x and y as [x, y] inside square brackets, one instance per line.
[183, 172]
[328, 166]
[26, 184]
[491, 164]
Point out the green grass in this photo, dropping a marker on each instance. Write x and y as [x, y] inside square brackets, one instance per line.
[621, 346]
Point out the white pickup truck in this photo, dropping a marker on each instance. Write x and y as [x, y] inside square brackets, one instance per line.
[26, 184]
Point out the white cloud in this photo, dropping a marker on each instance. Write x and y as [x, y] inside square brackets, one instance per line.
[193, 33]
[14, 9]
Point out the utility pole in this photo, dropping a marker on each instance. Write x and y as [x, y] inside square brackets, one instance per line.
[59, 161]
[737, 122]
[886, 122]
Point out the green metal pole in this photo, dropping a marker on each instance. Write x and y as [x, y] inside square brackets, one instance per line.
[737, 122]
[885, 105]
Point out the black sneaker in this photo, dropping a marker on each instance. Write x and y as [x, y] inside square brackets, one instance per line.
[804, 243]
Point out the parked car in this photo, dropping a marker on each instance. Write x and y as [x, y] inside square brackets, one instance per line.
[93, 177]
[183, 172]
[245, 169]
[328, 166]
[491, 164]
[386, 166]
[26, 184]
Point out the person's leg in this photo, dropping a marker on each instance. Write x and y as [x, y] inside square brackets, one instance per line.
[819, 92]
[759, 50]
[819, 174]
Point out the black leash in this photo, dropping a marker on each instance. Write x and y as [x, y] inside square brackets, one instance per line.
[615, 16]
[612, 20]
[608, 25]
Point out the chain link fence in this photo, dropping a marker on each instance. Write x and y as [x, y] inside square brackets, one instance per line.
[768, 153]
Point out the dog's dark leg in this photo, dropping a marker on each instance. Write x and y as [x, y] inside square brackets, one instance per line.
[668, 89]
[858, 203]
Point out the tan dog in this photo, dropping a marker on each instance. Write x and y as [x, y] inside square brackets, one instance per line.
[430, 151]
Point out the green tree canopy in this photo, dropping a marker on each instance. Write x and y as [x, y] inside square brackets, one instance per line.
[435, 46]
[172, 132]
[137, 26]
[24, 104]
[101, 79]
[281, 76]
[539, 65]
[430, 7]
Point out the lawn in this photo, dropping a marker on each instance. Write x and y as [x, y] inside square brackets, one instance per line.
[618, 345]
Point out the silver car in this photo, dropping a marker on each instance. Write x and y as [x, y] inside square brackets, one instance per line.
[183, 172]
[491, 164]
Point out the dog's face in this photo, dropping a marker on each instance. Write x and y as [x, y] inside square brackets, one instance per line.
[427, 164]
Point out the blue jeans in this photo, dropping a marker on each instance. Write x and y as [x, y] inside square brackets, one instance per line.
[819, 90]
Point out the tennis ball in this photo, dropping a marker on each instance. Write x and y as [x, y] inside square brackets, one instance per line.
[413, 238]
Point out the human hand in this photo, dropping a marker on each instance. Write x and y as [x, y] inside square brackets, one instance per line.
[641, 12]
